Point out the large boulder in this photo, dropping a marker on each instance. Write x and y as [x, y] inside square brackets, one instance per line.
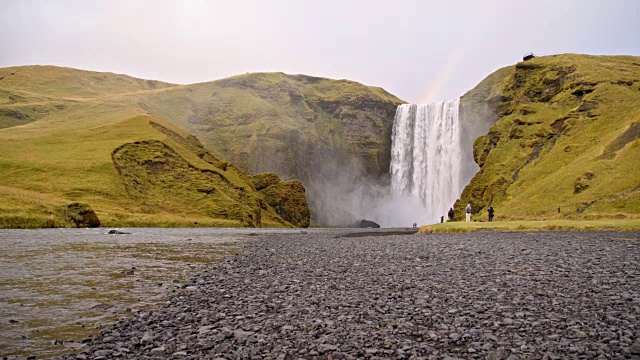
[289, 200]
[81, 215]
[367, 224]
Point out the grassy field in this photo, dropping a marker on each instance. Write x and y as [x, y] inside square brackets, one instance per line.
[542, 225]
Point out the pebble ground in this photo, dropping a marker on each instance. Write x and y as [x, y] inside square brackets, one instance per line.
[315, 295]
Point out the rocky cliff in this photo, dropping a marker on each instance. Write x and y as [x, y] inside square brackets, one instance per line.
[561, 139]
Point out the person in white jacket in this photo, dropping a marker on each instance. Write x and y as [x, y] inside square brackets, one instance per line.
[468, 211]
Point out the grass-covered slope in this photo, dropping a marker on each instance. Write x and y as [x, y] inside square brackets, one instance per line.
[287, 124]
[104, 151]
[565, 135]
[28, 93]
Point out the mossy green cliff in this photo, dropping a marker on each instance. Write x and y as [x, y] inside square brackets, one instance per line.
[563, 139]
[300, 127]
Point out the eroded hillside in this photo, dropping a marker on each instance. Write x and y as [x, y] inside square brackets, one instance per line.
[564, 140]
[287, 124]
[101, 153]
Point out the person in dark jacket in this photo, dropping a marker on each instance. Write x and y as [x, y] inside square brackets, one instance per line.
[452, 215]
[490, 211]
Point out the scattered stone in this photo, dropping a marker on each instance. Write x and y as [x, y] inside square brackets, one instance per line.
[146, 338]
[240, 334]
[443, 296]
[104, 353]
[581, 335]
[157, 351]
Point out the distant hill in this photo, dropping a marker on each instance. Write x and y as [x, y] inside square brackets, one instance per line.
[288, 124]
[299, 127]
[28, 93]
[73, 136]
[563, 135]
[323, 132]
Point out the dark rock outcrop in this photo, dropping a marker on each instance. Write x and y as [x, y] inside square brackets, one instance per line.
[117, 232]
[82, 215]
[367, 224]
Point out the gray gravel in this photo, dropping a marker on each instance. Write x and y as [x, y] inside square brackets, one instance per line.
[473, 296]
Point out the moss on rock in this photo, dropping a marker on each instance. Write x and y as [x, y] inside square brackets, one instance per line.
[81, 214]
[264, 180]
[289, 200]
[290, 125]
[161, 180]
[553, 121]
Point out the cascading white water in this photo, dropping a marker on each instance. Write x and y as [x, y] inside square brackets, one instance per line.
[427, 156]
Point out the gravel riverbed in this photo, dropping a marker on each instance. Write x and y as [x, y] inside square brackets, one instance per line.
[319, 295]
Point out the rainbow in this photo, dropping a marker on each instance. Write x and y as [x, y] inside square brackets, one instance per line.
[432, 92]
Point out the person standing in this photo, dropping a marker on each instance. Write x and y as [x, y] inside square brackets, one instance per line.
[490, 211]
[452, 214]
[468, 211]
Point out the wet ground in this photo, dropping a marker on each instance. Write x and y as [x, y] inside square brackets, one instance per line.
[318, 293]
[57, 286]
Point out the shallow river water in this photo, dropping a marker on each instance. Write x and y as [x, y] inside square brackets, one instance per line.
[58, 286]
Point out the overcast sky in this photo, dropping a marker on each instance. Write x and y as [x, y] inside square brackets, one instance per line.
[421, 51]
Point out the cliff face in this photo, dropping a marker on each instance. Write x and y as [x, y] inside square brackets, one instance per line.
[298, 127]
[562, 138]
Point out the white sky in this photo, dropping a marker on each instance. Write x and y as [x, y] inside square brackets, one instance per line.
[420, 51]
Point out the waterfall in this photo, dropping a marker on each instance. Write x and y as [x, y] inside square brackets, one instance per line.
[427, 157]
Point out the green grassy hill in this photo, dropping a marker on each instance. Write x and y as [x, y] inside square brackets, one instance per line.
[284, 123]
[73, 136]
[28, 93]
[300, 127]
[565, 135]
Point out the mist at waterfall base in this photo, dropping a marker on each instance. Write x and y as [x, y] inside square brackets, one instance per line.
[342, 196]
[431, 162]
